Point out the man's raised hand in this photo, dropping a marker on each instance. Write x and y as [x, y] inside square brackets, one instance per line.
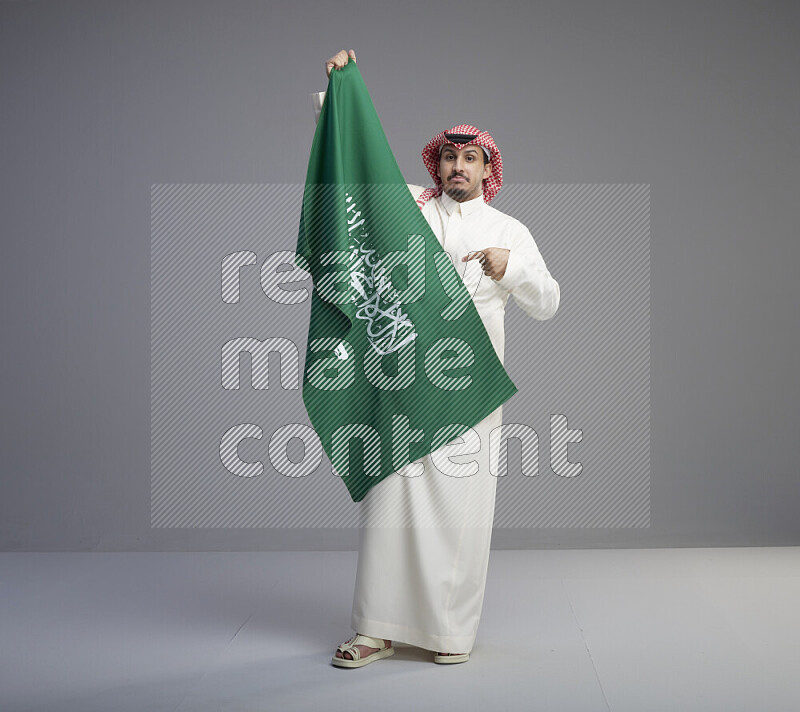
[339, 60]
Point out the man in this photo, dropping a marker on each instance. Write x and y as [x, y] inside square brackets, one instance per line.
[424, 551]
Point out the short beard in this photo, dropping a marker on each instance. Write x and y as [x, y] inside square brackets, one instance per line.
[459, 194]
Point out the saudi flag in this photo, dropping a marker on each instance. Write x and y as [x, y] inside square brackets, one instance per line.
[398, 361]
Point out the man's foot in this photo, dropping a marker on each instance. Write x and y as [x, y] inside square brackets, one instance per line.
[450, 657]
[364, 650]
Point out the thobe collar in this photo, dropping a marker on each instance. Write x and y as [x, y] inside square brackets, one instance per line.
[466, 208]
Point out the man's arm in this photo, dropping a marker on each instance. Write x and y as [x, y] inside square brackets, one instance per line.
[338, 61]
[528, 279]
[317, 99]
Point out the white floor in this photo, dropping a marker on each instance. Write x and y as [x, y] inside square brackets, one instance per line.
[635, 630]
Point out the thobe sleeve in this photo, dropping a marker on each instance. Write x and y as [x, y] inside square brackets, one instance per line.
[416, 190]
[527, 277]
[317, 99]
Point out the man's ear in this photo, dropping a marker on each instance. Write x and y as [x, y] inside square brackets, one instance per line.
[487, 171]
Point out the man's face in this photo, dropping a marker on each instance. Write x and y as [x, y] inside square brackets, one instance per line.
[462, 171]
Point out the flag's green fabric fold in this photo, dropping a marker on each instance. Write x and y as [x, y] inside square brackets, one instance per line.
[398, 361]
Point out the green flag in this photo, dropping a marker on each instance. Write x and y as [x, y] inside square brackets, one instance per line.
[398, 361]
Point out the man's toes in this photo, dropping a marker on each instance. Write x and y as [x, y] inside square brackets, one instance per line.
[363, 649]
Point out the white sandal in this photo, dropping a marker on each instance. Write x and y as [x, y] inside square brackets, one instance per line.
[459, 658]
[358, 661]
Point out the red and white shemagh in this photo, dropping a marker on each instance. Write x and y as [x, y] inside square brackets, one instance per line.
[458, 137]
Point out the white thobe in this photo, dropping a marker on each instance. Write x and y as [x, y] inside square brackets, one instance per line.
[424, 541]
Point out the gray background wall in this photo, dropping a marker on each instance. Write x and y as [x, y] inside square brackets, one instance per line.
[102, 100]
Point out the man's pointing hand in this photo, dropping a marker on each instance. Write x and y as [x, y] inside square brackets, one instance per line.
[493, 260]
